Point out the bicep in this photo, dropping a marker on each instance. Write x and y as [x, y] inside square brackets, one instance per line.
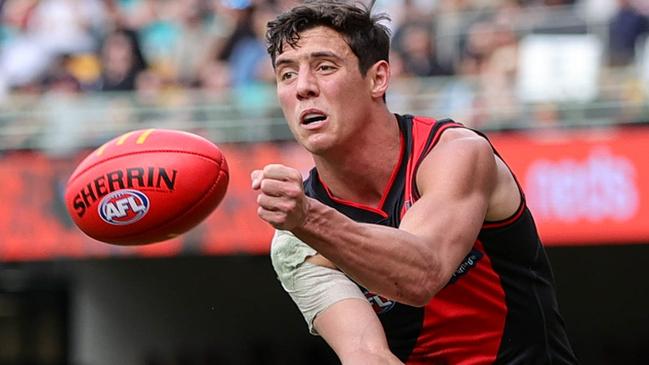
[455, 182]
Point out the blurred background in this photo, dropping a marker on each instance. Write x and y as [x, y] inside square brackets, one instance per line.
[560, 86]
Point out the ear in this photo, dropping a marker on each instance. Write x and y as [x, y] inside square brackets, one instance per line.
[379, 75]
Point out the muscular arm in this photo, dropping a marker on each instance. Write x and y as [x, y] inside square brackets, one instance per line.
[412, 263]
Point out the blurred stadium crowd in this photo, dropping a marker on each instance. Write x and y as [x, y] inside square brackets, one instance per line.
[462, 58]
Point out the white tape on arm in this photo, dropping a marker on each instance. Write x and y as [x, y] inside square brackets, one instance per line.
[313, 288]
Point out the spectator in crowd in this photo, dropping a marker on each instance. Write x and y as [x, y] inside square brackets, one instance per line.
[195, 29]
[459, 97]
[23, 59]
[499, 73]
[245, 48]
[560, 17]
[626, 29]
[149, 96]
[483, 91]
[122, 60]
[452, 19]
[66, 120]
[67, 26]
[417, 49]
[155, 24]
[214, 78]
[251, 75]
[403, 12]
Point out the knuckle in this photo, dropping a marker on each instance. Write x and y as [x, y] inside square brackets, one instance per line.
[296, 175]
[278, 221]
[290, 193]
[264, 184]
[272, 167]
[290, 206]
[294, 191]
[268, 186]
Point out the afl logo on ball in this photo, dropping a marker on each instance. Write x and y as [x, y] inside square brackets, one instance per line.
[123, 207]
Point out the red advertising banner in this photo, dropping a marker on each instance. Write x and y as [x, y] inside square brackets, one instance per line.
[584, 188]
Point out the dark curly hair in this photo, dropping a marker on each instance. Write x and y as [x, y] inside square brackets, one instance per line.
[367, 38]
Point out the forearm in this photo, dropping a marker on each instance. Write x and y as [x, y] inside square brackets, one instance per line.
[354, 332]
[333, 305]
[385, 260]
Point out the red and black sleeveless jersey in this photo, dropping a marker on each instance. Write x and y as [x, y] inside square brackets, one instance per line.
[499, 306]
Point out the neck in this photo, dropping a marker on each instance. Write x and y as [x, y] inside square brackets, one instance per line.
[361, 172]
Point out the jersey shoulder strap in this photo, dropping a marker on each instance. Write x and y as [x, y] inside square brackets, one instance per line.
[424, 133]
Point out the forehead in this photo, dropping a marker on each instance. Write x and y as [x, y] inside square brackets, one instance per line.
[318, 39]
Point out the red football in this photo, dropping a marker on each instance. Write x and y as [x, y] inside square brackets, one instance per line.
[146, 186]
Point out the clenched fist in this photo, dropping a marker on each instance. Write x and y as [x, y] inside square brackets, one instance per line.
[281, 198]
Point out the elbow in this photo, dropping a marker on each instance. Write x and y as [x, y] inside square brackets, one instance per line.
[421, 292]
[419, 298]
[415, 301]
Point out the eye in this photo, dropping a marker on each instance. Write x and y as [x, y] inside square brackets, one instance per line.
[325, 67]
[286, 75]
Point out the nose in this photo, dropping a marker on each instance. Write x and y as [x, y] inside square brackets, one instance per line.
[307, 85]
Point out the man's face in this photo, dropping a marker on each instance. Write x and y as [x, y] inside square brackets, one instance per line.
[321, 91]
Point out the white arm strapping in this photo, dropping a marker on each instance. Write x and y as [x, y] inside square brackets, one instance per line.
[313, 288]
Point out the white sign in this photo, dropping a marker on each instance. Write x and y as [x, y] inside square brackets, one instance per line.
[559, 68]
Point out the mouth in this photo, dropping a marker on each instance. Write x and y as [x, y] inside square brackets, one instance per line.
[312, 117]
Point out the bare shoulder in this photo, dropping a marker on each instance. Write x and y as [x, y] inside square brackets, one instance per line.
[463, 147]
[466, 138]
[462, 161]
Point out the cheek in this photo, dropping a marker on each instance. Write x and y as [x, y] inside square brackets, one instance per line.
[351, 95]
[286, 102]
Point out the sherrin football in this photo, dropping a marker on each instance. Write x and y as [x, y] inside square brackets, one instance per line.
[146, 186]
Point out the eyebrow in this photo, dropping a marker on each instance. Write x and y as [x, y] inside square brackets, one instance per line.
[318, 54]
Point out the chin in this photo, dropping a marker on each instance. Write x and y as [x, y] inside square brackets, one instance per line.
[317, 145]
